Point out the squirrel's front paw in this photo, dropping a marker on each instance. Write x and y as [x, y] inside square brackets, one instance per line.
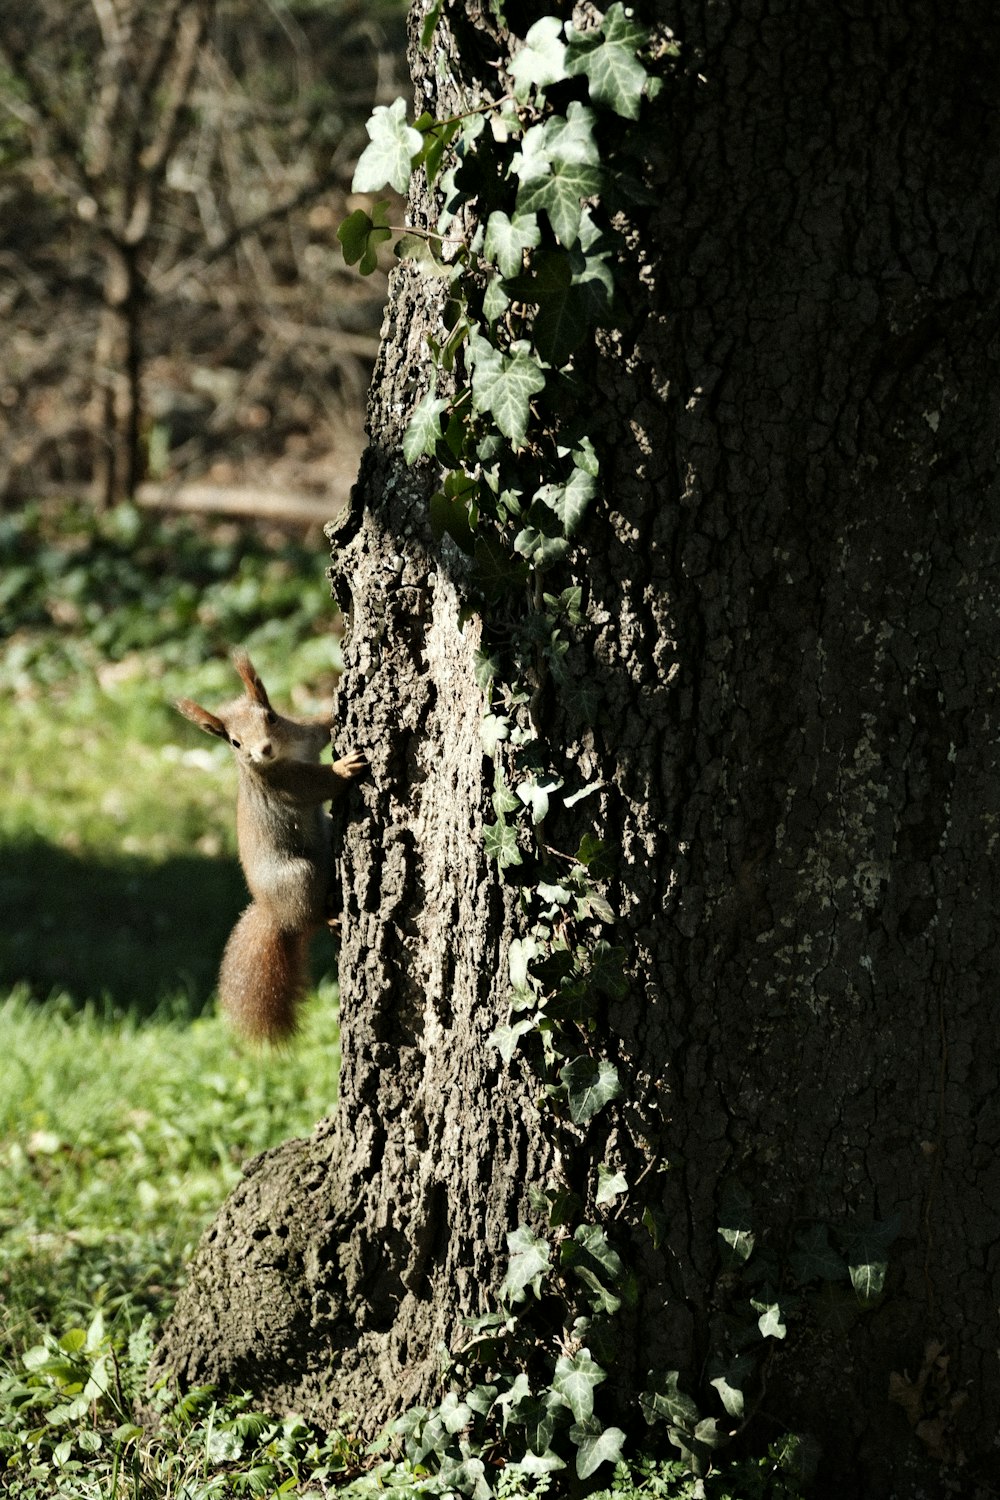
[354, 764]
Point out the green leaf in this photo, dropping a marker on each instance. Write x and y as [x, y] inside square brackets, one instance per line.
[729, 1382]
[866, 1252]
[574, 1382]
[528, 1266]
[495, 300]
[816, 1259]
[360, 236]
[597, 855]
[568, 501]
[534, 1464]
[503, 384]
[609, 1184]
[500, 843]
[541, 550]
[664, 1401]
[559, 166]
[438, 136]
[504, 800]
[607, 970]
[771, 1321]
[487, 669]
[735, 1223]
[506, 1038]
[496, 572]
[507, 240]
[493, 729]
[593, 1261]
[595, 1446]
[423, 432]
[535, 795]
[449, 517]
[429, 27]
[868, 1280]
[542, 59]
[591, 1083]
[607, 56]
[388, 157]
[519, 956]
[424, 252]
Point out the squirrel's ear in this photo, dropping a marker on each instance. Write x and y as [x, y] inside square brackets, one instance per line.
[256, 691]
[202, 717]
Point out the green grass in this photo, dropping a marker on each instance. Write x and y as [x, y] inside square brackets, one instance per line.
[126, 1109]
[120, 1137]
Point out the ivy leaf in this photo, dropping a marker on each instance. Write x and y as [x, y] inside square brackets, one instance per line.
[729, 1383]
[591, 1083]
[423, 432]
[500, 843]
[582, 700]
[496, 572]
[450, 517]
[360, 236]
[541, 550]
[535, 795]
[771, 1321]
[493, 729]
[495, 300]
[487, 669]
[504, 800]
[607, 970]
[595, 1446]
[664, 1401]
[609, 1184]
[534, 1464]
[542, 59]
[569, 501]
[559, 166]
[519, 956]
[528, 1265]
[866, 1252]
[430, 24]
[503, 384]
[507, 240]
[607, 55]
[539, 1416]
[816, 1259]
[868, 1280]
[735, 1223]
[592, 1260]
[598, 856]
[438, 136]
[506, 1038]
[574, 1382]
[389, 155]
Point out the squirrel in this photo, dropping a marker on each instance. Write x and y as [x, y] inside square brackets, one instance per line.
[284, 843]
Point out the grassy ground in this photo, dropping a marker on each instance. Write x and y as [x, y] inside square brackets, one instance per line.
[126, 1110]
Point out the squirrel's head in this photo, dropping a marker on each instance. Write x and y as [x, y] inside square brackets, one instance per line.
[257, 734]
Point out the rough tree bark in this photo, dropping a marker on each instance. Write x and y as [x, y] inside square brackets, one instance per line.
[792, 615]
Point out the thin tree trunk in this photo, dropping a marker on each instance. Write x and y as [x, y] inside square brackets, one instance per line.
[791, 616]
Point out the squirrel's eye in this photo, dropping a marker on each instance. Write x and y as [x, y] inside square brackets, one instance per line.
[271, 716]
[235, 743]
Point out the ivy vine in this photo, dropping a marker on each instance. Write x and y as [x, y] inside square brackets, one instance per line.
[525, 251]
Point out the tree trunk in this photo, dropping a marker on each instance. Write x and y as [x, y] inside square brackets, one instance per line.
[791, 617]
[116, 406]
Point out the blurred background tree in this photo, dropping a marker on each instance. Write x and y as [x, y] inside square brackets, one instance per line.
[174, 304]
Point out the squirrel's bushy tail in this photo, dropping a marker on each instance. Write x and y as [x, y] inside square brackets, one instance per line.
[264, 974]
